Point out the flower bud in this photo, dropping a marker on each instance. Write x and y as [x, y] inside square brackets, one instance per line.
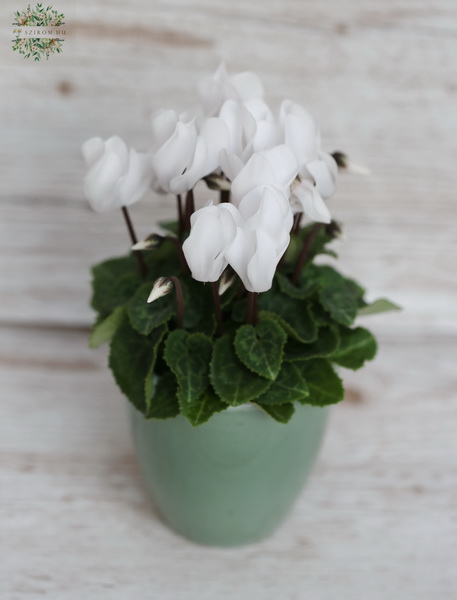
[345, 164]
[333, 229]
[152, 242]
[226, 281]
[162, 287]
[217, 182]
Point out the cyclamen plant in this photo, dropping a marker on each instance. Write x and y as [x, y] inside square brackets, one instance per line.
[229, 306]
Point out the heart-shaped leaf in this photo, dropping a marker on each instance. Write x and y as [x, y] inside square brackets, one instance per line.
[188, 355]
[289, 386]
[233, 382]
[260, 348]
[356, 346]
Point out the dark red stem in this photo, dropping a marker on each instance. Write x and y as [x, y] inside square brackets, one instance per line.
[190, 209]
[225, 196]
[304, 253]
[217, 306]
[180, 217]
[251, 310]
[179, 302]
[297, 220]
[139, 256]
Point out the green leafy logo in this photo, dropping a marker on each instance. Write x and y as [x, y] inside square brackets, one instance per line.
[38, 21]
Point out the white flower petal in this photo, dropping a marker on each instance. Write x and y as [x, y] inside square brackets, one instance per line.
[324, 173]
[116, 145]
[311, 201]
[185, 182]
[215, 135]
[175, 155]
[300, 137]
[266, 136]
[258, 171]
[238, 254]
[262, 266]
[136, 182]
[230, 163]
[283, 163]
[163, 125]
[101, 181]
[213, 228]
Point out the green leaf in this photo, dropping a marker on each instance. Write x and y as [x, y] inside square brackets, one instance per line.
[205, 407]
[130, 358]
[260, 348]
[104, 331]
[198, 307]
[233, 382]
[324, 384]
[294, 315]
[339, 296]
[163, 404]
[356, 346]
[289, 386]
[188, 356]
[378, 306]
[114, 283]
[145, 317]
[280, 412]
[156, 338]
[327, 342]
[321, 239]
[308, 285]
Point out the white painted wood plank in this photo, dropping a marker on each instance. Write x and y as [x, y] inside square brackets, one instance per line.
[378, 519]
[379, 80]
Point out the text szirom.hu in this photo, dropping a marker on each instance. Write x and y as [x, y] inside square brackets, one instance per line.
[39, 32]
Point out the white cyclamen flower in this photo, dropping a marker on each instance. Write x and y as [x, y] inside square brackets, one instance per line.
[268, 131]
[212, 138]
[252, 128]
[277, 167]
[173, 148]
[117, 176]
[182, 153]
[262, 236]
[261, 193]
[253, 233]
[213, 229]
[241, 128]
[221, 86]
[317, 170]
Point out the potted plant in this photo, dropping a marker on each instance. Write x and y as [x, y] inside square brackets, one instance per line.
[225, 328]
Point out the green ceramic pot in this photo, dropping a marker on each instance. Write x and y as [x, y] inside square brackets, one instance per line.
[230, 481]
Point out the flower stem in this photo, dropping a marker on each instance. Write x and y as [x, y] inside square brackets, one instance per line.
[190, 208]
[251, 310]
[225, 196]
[180, 217]
[134, 239]
[297, 220]
[304, 253]
[217, 306]
[179, 301]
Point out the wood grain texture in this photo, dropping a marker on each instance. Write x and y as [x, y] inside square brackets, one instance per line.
[378, 519]
[378, 80]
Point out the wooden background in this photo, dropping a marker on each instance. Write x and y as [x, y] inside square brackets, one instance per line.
[379, 518]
